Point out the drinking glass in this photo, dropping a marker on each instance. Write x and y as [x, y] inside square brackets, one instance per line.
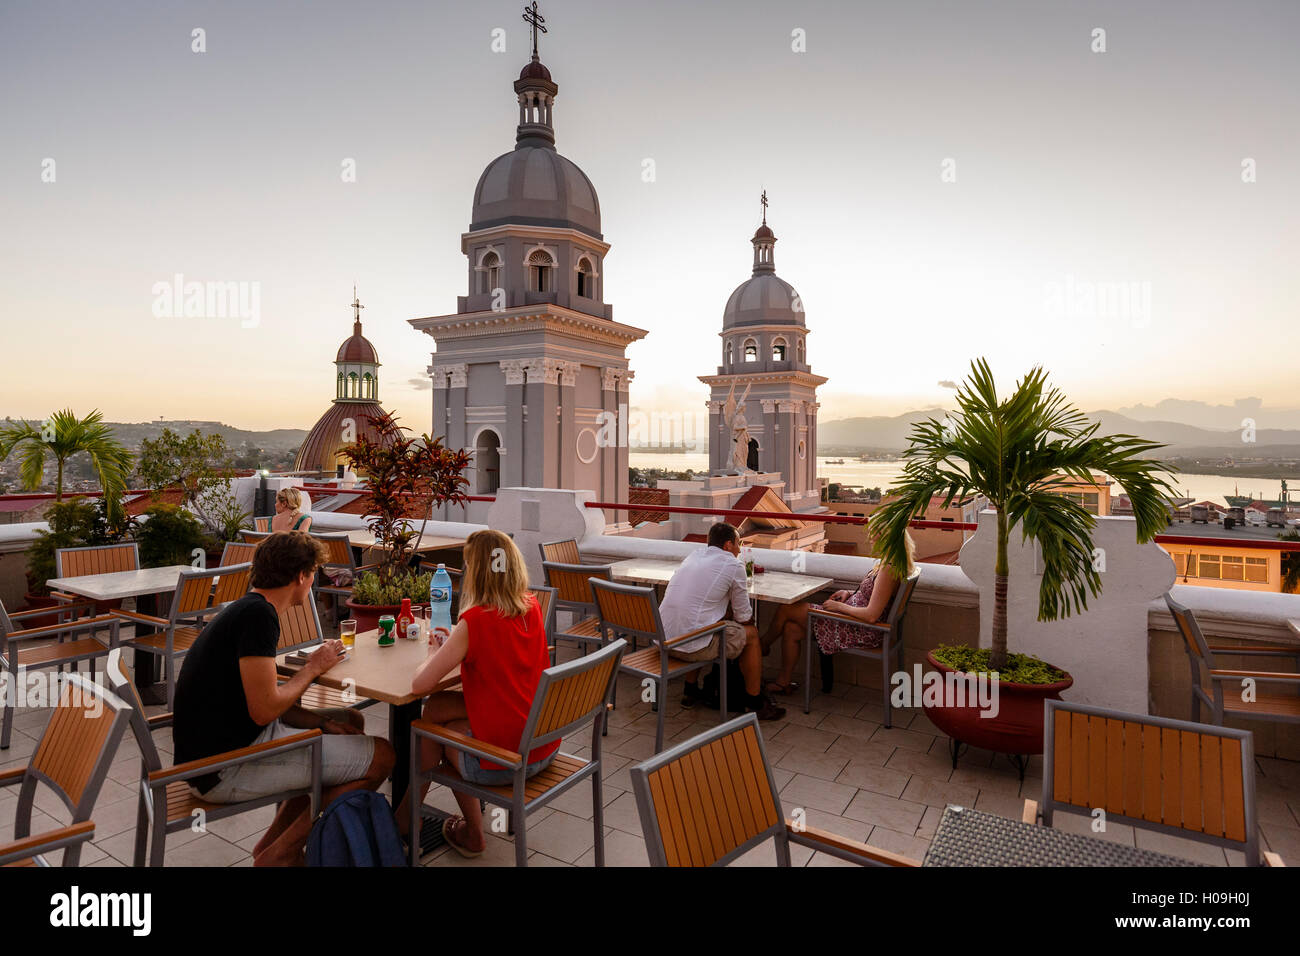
[348, 634]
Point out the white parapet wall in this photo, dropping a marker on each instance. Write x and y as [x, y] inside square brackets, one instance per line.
[534, 516]
[1105, 647]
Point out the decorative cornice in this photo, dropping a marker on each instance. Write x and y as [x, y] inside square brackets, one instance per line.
[765, 378]
[521, 231]
[542, 370]
[527, 319]
[458, 373]
[514, 370]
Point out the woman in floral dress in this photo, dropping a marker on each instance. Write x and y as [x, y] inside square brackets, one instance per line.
[869, 604]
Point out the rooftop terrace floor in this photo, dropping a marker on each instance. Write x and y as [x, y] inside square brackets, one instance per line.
[853, 777]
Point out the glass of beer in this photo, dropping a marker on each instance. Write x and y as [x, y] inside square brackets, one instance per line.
[348, 634]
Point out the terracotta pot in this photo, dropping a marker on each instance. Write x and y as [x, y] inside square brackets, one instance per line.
[1016, 729]
[367, 615]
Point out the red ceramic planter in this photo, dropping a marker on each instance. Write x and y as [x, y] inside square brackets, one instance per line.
[1018, 726]
[367, 615]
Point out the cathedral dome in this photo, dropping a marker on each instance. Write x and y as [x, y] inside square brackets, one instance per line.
[533, 185]
[763, 299]
[357, 348]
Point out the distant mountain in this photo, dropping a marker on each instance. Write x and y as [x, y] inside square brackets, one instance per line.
[1205, 415]
[277, 439]
[885, 433]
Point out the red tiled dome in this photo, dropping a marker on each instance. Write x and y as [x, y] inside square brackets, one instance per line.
[533, 70]
[764, 233]
[357, 348]
[319, 450]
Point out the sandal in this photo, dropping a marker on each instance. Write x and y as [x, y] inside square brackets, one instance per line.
[464, 851]
[772, 687]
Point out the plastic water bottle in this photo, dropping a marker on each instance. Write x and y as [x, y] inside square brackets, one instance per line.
[440, 606]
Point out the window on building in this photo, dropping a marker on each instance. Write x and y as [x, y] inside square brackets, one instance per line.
[751, 350]
[490, 275]
[1233, 568]
[1209, 566]
[540, 266]
[368, 386]
[1257, 570]
[352, 385]
[731, 354]
[778, 350]
[799, 349]
[341, 391]
[585, 286]
[1185, 565]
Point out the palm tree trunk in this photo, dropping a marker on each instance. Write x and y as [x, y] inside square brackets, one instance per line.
[58, 482]
[998, 658]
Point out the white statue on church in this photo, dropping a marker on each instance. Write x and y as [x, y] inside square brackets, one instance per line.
[733, 413]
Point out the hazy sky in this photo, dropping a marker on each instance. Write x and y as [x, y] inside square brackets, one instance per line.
[1079, 176]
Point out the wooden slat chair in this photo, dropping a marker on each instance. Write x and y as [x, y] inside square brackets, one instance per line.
[572, 584]
[1171, 776]
[81, 644]
[339, 558]
[630, 612]
[560, 552]
[32, 850]
[95, 559]
[263, 524]
[300, 630]
[889, 653]
[253, 537]
[546, 603]
[1221, 689]
[199, 594]
[569, 696]
[73, 756]
[237, 552]
[166, 803]
[710, 799]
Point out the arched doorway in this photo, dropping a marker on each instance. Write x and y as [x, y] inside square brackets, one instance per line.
[487, 462]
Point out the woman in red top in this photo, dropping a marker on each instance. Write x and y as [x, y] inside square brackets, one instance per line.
[499, 642]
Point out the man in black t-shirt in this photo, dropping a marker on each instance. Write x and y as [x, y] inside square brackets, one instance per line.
[228, 696]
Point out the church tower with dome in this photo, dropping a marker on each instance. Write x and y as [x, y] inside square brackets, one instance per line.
[530, 374]
[764, 351]
[356, 402]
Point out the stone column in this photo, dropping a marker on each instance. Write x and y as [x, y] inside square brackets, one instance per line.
[611, 431]
[787, 414]
[716, 428]
[439, 376]
[568, 423]
[513, 453]
[769, 456]
[624, 377]
[541, 465]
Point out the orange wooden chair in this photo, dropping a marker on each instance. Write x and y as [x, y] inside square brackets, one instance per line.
[572, 584]
[32, 850]
[1171, 776]
[712, 798]
[560, 552]
[72, 759]
[237, 552]
[94, 559]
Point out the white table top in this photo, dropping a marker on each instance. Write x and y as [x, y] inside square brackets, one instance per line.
[122, 584]
[779, 587]
[365, 538]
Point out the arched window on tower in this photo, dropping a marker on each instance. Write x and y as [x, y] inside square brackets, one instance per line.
[340, 392]
[778, 350]
[490, 274]
[731, 353]
[368, 386]
[800, 350]
[585, 276]
[540, 267]
[751, 350]
[352, 385]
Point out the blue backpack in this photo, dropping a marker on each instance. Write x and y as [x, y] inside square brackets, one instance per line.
[357, 829]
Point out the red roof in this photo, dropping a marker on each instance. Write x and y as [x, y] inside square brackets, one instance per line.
[357, 348]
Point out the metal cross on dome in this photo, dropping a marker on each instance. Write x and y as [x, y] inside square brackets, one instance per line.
[763, 200]
[536, 21]
[356, 304]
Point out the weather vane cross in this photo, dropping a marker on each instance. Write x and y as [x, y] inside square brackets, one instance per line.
[537, 21]
[356, 304]
[763, 199]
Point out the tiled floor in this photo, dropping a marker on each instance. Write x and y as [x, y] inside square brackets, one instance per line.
[838, 764]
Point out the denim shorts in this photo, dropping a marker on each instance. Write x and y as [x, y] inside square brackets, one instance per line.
[344, 758]
[471, 770]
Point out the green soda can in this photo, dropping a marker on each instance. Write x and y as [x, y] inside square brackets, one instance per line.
[387, 625]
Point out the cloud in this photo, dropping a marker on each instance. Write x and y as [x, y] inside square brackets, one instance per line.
[947, 383]
[424, 384]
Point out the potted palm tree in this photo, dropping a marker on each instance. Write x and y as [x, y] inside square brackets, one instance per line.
[61, 436]
[405, 478]
[1021, 453]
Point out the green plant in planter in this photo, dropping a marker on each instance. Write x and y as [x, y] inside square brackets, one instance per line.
[76, 523]
[405, 479]
[1020, 452]
[169, 536]
[369, 589]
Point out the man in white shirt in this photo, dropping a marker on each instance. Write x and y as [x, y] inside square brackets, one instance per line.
[711, 582]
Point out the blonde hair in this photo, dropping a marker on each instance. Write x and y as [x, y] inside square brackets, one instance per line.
[291, 497]
[909, 549]
[495, 574]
